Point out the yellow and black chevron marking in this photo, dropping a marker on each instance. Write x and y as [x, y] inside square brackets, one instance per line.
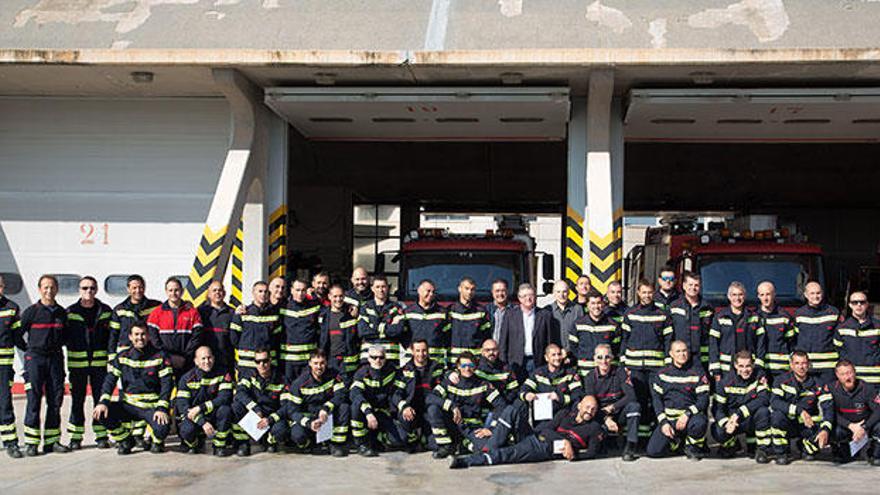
[237, 261]
[606, 253]
[205, 265]
[278, 242]
[574, 247]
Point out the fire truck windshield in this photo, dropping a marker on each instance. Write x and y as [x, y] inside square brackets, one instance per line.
[447, 268]
[788, 272]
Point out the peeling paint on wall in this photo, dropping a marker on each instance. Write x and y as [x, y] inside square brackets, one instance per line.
[608, 17]
[657, 30]
[767, 19]
[511, 8]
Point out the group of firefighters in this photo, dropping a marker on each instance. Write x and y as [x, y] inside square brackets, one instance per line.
[493, 384]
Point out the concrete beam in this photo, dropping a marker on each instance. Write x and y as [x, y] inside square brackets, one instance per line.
[576, 201]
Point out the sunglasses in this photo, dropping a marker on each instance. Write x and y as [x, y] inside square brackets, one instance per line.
[467, 365]
[859, 302]
[89, 288]
[602, 357]
[262, 361]
[377, 358]
[667, 279]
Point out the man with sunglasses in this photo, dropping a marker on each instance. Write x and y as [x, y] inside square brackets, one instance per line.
[372, 409]
[595, 327]
[666, 292]
[858, 339]
[613, 388]
[463, 408]
[261, 393]
[86, 336]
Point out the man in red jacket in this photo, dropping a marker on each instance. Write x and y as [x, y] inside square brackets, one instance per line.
[176, 328]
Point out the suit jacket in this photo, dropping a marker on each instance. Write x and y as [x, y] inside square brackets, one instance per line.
[513, 337]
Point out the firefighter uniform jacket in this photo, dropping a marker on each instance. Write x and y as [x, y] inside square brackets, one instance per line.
[372, 389]
[664, 302]
[413, 384]
[87, 341]
[176, 331]
[44, 326]
[473, 396]
[565, 382]
[779, 335]
[616, 312]
[125, 314]
[348, 329]
[431, 324]
[731, 333]
[261, 395]
[814, 327]
[381, 325]
[677, 391]
[206, 390]
[588, 333]
[737, 395]
[258, 327]
[500, 376]
[792, 397]
[859, 343]
[469, 327]
[691, 324]
[646, 333]
[10, 337]
[309, 396]
[300, 337]
[146, 378]
[215, 322]
[612, 389]
[585, 437]
[357, 299]
[860, 404]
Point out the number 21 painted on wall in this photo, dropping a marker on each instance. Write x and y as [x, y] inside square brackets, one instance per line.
[90, 233]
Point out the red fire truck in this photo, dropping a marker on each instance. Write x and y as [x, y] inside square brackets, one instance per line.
[748, 249]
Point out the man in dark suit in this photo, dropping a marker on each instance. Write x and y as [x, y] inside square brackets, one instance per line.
[525, 332]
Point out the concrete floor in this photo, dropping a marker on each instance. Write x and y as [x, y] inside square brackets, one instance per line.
[103, 471]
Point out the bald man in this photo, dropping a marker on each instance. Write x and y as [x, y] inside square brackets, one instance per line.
[778, 329]
[360, 292]
[815, 326]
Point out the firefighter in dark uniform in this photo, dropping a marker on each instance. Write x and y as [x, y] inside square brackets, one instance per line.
[646, 333]
[259, 327]
[86, 337]
[463, 408]
[44, 324]
[360, 291]
[372, 408]
[815, 324]
[858, 339]
[339, 336]
[216, 315]
[314, 396]
[204, 404]
[615, 306]
[563, 384]
[742, 405]
[145, 392]
[300, 337]
[469, 323]
[136, 307]
[575, 426]
[426, 320]
[778, 331]
[666, 293]
[680, 394]
[415, 380]
[263, 393]
[9, 340]
[495, 371]
[618, 406]
[594, 328]
[800, 408]
[857, 413]
[734, 328]
[380, 322]
[692, 318]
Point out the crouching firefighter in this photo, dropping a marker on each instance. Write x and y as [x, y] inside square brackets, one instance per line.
[204, 404]
[261, 393]
[316, 395]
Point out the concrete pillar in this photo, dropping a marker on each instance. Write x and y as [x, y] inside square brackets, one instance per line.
[573, 226]
[244, 162]
[604, 181]
[275, 202]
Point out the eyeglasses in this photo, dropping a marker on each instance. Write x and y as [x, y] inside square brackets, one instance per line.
[377, 358]
[262, 361]
[602, 357]
[467, 365]
[89, 288]
[667, 279]
[859, 302]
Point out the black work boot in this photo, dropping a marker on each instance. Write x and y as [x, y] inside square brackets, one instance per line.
[244, 449]
[338, 450]
[103, 443]
[123, 447]
[31, 450]
[13, 451]
[221, 452]
[56, 448]
[629, 452]
[458, 462]
[157, 448]
[442, 452]
[761, 456]
[365, 450]
[75, 445]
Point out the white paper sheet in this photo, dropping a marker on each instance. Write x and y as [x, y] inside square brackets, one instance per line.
[543, 407]
[326, 430]
[249, 424]
[855, 447]
[557, 446]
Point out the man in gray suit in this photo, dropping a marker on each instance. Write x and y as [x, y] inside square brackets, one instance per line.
[525, 332]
